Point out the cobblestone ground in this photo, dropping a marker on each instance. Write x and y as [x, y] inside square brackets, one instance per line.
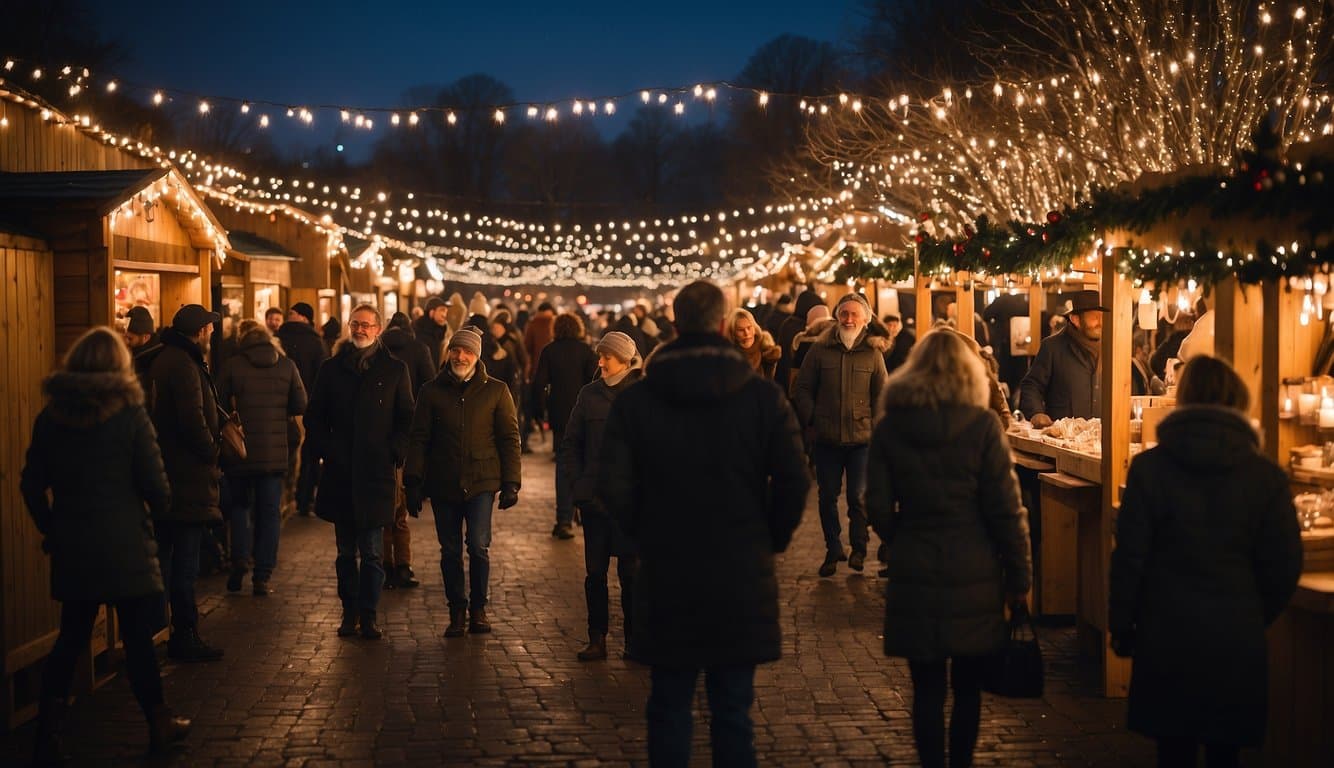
[292, 693]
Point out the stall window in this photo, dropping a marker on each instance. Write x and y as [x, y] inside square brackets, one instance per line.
[138, 289]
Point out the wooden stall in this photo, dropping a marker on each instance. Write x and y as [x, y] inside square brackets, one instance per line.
[261, 278]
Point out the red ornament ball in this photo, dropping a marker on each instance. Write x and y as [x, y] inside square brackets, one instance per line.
[1053, 217]
[920, 238]
[959, 248]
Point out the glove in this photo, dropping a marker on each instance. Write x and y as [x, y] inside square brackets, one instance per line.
[509, 495]
[413, 496]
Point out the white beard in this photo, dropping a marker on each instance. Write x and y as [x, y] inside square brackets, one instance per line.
[361, 343]
[848, 337]
[462, 372]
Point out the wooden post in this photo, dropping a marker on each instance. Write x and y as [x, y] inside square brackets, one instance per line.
[1289, 350]
[922, 286]
[964, 303]
[1238, 334]
[1117, 332]
[1037, 302]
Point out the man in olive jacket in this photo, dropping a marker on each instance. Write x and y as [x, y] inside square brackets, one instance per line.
[185, 415]
[462, 450]
[836, 394]
[357, 422]
[703, 469]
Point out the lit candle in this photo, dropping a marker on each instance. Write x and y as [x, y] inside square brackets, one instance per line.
[1307, 406]
[1287, 408]
[1327, 418]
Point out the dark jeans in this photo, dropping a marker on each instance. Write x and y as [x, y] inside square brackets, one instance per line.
[928, 709]
[731, 691]
[359, 588]
[137, 616]
[1182, 754]
[255, 517]
[831, 462]
[603, 541]
[564, 485]
[450, 518]
[178, 554]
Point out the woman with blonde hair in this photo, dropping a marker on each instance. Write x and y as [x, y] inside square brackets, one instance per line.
[1207, 555]
[95, 450]
[756, 345]
[942, 494]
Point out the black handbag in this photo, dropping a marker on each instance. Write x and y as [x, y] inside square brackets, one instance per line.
[1016, 672]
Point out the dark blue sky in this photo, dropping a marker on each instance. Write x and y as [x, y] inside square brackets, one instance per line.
[367, 54]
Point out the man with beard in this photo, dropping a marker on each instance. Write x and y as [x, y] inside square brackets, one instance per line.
[185, 415]
[357, 422]
[463, 450]
[1064, 379]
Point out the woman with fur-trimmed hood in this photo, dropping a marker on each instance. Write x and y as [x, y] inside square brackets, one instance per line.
[756, 345]
[942, 494]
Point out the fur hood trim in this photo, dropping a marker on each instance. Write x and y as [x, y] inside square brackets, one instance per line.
[811, 335]
[83, 399]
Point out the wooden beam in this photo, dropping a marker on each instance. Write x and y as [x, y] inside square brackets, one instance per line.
[149, 266]
[964, 304]
[1117, 332]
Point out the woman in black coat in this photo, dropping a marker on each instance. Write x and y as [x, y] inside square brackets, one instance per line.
[94, 448]
[563, 368]
[942, 494]
[1208, 553]
[264, 387]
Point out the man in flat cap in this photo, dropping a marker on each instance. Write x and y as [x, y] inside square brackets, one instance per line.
[185, 415]
[463, 450]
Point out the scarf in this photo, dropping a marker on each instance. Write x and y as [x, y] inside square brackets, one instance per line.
[615, 379]
[752, 354]
[362, 358]
[1091, 348]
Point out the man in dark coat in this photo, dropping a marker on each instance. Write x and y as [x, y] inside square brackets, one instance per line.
[185, 414]
[357, 423]
[144, 344]
[431, 329]
[836, 396]
[702, 467]
[399, 340]
[566, 365]
[901, 341]
[1063, 381]
[463, 449]
[787, 331]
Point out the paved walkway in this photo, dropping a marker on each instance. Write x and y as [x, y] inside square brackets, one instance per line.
[292, 693]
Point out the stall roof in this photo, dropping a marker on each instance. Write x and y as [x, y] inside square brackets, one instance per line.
[256, 247]
[356, 246]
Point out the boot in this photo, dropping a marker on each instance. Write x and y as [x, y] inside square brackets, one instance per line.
[597, 648]
[349, 626]
[260, 589]
[457, 617]
[47, 750]
[830, 564]
[369, 629]
[234, 579]
[478, 625]
[188, 646]
[406, 578]
[857, 560]
[165, 729]
[562, 531]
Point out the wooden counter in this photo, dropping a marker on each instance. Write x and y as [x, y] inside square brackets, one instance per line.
[1301, 677]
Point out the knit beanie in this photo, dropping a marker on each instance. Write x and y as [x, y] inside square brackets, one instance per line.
[140, 321]
[618, 345]
[305, 310]
[479, 305]
[467, 338]
[857, 297]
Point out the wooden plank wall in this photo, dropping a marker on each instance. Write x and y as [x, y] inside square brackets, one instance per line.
[27, 346]
[33, 144]
[311, 271]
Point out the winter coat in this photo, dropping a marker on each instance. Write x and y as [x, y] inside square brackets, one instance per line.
[1062, 382]
[580, 450]
[539, 332]
[791, 326]
[185, 415]
[413, 353]
[304, 346]
[433, 336]
[897, 354]
[357, 421]
[702, 467]
[801, 343]
[265, 388]
[94, 448]
[143, 365]
[464, 439]
[837, 389]
[565, 366]
[503, 365]
[769, 355]
[1207, 555]
[942, 495]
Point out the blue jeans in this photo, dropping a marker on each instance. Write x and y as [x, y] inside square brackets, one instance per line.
[260, 497]
[731, 691]
[831, 462]
[359, 588]
[450, 518]
[178, 554]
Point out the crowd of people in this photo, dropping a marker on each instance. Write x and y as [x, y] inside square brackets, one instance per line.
[126, 475]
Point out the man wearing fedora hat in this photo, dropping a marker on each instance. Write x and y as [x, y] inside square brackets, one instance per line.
[1063, 381]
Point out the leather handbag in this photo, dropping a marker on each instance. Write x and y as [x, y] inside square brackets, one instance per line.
[1016, 671]
[232, 449]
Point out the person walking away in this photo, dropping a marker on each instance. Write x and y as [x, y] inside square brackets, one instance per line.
[564, 367]
[432, 328]
[539, 332]
[756, 345]
[462, 451]
[941, 493]
[265, 388]
[185, 416]
[836, 394]
[1208, 554]
[580, 458]
[701, 466]
[357, 423]
[399, 340]
[94, 449]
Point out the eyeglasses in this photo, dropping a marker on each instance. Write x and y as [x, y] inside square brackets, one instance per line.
[357, 325]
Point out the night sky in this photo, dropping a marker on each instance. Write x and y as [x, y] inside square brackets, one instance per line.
[368, 54]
